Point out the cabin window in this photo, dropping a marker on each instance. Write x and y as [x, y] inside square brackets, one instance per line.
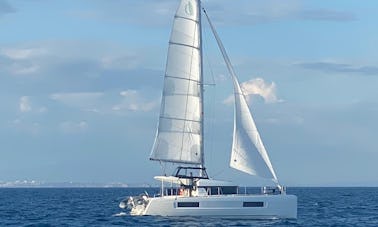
[228, 190]
[222, 190]
[171, 191]
[188, 204]
[253, 204]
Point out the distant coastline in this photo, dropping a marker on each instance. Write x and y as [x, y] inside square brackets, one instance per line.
[41, 184]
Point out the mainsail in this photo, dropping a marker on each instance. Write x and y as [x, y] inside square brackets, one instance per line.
[248, 152]
[179, 134]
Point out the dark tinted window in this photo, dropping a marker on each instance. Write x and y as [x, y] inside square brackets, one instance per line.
[253, 204]
[227, 190]
[188, 204]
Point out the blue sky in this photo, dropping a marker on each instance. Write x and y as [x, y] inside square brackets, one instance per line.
[80, 86]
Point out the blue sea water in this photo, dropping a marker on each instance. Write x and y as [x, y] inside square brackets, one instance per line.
[99, 207]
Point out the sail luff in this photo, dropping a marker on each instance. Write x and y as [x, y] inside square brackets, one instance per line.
[248, 152]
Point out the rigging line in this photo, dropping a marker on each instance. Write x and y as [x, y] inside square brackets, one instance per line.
[219, 172]
[163, 167]
[224, 54]
[202, 106]
[208, 60]
[211, 114]
[226, 59]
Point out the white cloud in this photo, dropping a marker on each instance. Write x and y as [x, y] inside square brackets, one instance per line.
[22, 61]
[20, 125]
[129, 93]
[22, 53]
[73, 127]
[93, 110]
[160, 13]
[119, 62]
[23, 70]
[25, 104]
[257, 87]
[98, 102]
[132, 101]
[116, 108]
[77, 99]
[148, 13]
[256, 11]
[42, 109]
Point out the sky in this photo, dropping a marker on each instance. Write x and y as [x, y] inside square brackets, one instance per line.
[81, 81]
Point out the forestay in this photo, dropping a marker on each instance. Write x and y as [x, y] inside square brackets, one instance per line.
[179, 134]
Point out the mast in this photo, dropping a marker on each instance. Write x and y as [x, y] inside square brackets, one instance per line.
[202, 90]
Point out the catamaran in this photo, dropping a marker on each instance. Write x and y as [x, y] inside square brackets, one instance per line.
[180, 140]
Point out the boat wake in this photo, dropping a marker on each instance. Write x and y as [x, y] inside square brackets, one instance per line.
[120, 214]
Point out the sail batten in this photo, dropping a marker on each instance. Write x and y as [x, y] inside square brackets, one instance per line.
[179, 134]
[181, 44]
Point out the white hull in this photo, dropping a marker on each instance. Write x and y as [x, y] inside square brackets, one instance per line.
[251, 206]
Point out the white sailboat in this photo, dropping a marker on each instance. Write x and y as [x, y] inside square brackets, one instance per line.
[180, 136]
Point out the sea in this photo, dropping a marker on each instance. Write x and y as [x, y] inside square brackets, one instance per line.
[99, 207]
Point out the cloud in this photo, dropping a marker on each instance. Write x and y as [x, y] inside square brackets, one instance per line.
[21, 125]
[129, 93]
[257, 87]
[42, 109]
[22, 53]
[21, 61]
[5, 8]
[25, 104]
[152, 13]
[73, 127]
[141, 12]
[24, 69]
[77, 99]
[76, 66]
[339, 68]
[101, 103]
[133, 101]
[327, 15]
[248, 12]
[86, 59]
[119, 62]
